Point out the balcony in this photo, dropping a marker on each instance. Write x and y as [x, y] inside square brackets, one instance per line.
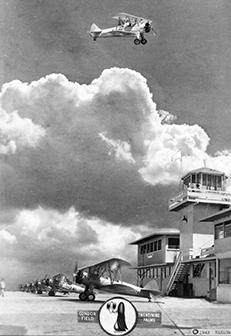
[198, 253]
[198, 196]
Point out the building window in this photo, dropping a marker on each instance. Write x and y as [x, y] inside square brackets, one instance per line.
[223, 230]
[219, 231]
[193, 178]
[204, 180]
[225, 271]
[151, 247]
[187, 181]
[159, 244]
[227, 230]
[148, 248]
[173, 243]
[209, 181]
[155, 246]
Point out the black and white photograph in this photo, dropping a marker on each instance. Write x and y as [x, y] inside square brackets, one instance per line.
[115, 167]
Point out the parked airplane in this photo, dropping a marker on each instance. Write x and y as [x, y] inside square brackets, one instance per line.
[106, 276]
[128, 26]
[60, 283]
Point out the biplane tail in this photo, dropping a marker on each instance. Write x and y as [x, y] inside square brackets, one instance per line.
[95, 31]
[151, 289]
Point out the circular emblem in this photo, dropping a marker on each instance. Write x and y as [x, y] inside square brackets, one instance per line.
[195, 331]
[117, 316]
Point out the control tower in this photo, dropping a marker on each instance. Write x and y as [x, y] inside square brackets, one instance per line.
[202, 194]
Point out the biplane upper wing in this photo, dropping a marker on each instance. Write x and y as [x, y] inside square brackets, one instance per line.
[107, 262]
[124, 16]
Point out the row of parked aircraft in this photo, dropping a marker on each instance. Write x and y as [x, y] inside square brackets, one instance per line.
[87, 281]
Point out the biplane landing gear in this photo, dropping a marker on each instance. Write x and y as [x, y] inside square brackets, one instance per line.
[83, 296]
[91, 297]
[137, 41]
[144, 41]
[51, 293]
[87, 296]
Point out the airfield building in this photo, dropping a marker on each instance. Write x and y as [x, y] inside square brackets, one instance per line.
[201, 266]
[156, 256]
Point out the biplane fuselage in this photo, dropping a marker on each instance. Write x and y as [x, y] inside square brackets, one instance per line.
[60, 283]
[117, 31]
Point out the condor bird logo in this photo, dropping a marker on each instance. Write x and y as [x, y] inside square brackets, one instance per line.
[117, 316]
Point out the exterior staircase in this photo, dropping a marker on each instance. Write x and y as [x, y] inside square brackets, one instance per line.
[178, 274]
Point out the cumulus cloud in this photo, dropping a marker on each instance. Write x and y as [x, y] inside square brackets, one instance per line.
[178, 149]
[17, 132]
[59, 239]
[121, 149]
[7, 237]
[102, 148]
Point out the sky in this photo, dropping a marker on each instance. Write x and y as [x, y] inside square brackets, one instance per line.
[94, 136]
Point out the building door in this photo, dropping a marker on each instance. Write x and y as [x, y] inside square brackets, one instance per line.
[212, 275]
[229, 275]
[212, 280]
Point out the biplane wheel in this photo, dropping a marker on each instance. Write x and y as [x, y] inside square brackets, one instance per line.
[51, 293]
[137, 41]
[83, 296]
[91, 297]
[144, 41]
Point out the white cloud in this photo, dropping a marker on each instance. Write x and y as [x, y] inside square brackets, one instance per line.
[121, 149]
[177, 149]
[38, 229]
[17, 132]
[7, 237]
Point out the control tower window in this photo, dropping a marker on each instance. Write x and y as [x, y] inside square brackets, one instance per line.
[218, 182]
[204, 179]
[187, 181]
[193, 178]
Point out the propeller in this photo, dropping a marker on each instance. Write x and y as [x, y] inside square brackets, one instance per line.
[149, 28]
[75, 271]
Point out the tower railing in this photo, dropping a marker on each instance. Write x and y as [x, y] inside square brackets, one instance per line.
[200, 194]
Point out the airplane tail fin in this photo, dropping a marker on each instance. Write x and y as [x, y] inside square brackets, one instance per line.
[94, 31]
[152, 287]
[95, 28]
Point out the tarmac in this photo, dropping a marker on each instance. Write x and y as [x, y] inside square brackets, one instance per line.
[30, 314]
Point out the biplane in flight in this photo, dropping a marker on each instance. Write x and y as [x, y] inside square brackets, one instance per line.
[128, 26]
[106, 276]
